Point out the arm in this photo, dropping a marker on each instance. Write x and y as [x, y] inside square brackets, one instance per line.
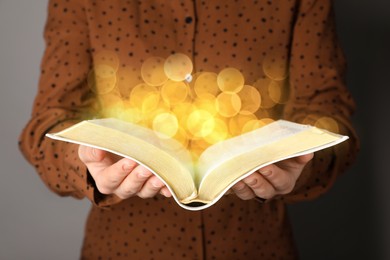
[317, 69]
[63, 99]
[62, 96]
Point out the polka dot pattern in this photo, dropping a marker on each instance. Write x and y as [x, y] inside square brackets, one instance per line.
[215, 35]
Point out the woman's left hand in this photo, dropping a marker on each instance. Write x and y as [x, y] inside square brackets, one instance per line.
[272, 180]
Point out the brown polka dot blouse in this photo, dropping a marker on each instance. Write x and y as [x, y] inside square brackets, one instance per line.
[215, 34]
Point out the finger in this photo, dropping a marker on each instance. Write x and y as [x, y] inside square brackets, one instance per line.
[165, 192]
[152, 187]
[260, 186]
[243, 191]
[282, 181]
[304, 159]
[111, 177]
[89, 154]
[133, 182]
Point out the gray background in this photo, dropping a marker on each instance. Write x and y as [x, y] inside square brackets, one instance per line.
[350, 222]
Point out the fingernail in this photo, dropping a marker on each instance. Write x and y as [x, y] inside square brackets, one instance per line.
[156, 184]
[143, 174]
[127, 167]
[165, 193]
[265, 173]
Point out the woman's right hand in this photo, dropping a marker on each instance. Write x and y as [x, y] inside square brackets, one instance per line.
[120, 176]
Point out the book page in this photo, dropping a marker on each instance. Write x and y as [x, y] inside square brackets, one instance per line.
[231, 148]
[219, 178]
[140, 144]
[167, 144]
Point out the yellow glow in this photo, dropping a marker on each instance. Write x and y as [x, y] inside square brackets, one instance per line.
[200, 123]
[100, 86]
[275, 66]
[152, 71]
[197, 147]
[228, 104]
[104, 71]
[278, 91]
[207, 103]
[198, 109]
[206, 84]
[263, 87]
[250, 99]
[219, 133]
[167, 124]
[230, 80]
[173, 92]
[145, 97]
[127, 78]
[252, 125]
[255, 124]
[327, 123]
[106, 57]
[178, 67]
[237, 122]
[130, 114]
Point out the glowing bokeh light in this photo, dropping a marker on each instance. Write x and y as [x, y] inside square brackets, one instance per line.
[275, 66]
[230, 80]
[197, 109]
[178, 67]
[167, 124]
[200, 123]
[206, 84]
[250, 99]
[228, 104]
[106, 57]
[152, 71]
[174, 92]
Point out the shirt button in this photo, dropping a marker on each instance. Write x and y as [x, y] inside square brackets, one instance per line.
[188, 19]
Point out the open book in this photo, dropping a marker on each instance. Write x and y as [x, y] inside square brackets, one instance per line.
[198, 185]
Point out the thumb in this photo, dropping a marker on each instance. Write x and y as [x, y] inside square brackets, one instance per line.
[89, 154]
[303, 159]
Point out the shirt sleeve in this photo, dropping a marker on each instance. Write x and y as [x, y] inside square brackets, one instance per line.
[62, 98]
[317, 68]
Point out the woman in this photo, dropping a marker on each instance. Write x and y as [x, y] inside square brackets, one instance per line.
[132, 215]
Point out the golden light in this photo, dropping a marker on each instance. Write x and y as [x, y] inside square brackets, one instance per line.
[206, 84]
[230, 80]
[100, 86]
[196, 109]
[207, 103]
[197, 147]
[327, 123]
[228, 104]
[275, 66]
[130, 114]
[178, 67]
[262, 85]
[152, 71]
[200, 123]
[104, 71]
[252, 125]
[145, 97]
[237, 122]
[219, 133]
[174, 92]
[250, 99]
[279, 92]
[127, 78]
[106, 57]
[165, 125]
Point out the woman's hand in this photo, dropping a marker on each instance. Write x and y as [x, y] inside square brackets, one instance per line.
[272, 180]
[120, 176]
